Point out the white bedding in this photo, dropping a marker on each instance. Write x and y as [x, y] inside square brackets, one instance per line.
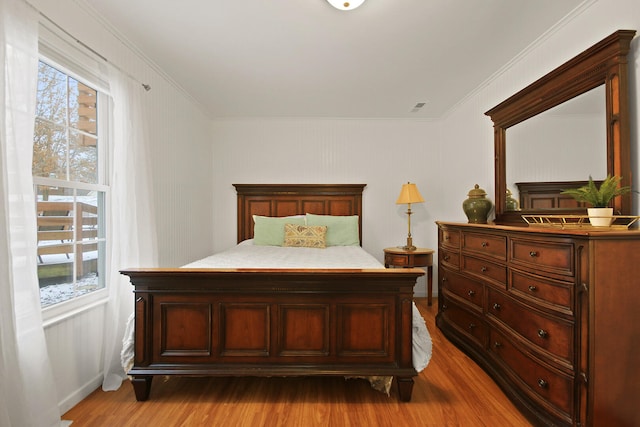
[248, 255]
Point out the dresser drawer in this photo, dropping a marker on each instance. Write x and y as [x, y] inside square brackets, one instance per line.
[543, 383]
[485, 269]
[450, 259]
[551, 334]
[450, 238]
[554, 294]
[466, 322]
[555, 257]
[465, 288]
[485, 244]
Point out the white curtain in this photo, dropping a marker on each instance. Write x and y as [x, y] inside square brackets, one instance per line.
[132, 233]
[27, 387]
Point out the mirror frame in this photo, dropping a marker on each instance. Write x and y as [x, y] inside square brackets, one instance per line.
[603, 63]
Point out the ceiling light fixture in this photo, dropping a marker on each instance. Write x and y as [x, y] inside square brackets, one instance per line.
[345, 5]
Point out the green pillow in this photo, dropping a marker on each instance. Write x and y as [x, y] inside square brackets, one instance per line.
[269, 231]
[341, 230]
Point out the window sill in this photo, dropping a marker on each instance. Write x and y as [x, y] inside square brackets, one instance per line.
[66, 310]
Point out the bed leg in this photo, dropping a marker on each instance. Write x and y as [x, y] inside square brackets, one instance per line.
[141, 387]
[405, 387]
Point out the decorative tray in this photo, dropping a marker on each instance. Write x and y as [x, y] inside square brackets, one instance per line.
[618, 222]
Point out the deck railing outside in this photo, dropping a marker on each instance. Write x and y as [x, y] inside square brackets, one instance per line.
[61, 225]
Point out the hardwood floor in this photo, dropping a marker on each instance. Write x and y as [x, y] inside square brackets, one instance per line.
[451, 391]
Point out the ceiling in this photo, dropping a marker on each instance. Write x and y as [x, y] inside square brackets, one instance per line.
[303, 58]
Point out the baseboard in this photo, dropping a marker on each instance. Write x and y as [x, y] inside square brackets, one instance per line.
[76, 397]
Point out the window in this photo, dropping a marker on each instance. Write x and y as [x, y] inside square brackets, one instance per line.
[69, 170]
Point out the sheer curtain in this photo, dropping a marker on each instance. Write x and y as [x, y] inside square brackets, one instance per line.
[27, 386]
[132, 233]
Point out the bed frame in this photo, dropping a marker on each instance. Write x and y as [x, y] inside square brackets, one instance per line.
[275, 322]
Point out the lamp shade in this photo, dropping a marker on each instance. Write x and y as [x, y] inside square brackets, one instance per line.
[345, 5]
[409, 194]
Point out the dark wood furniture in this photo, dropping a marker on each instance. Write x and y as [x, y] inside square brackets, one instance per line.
[275, 322]
[605, 63]
[549, 314]
[548, 195]
[419, 257]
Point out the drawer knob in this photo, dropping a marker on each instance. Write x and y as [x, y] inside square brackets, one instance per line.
[446, 257]
[472, 326]
[444, 279]
[533, 254]
[496, 306]
[542, 333]
[483, 269]
[542, 383]
[484, 244]
[444, 307]
[446, 237]
[533, 288]
[471, 293]
[497, 344]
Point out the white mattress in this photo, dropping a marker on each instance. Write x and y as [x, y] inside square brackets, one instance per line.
[248, 255]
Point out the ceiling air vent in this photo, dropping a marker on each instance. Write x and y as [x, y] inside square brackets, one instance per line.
[418, 106]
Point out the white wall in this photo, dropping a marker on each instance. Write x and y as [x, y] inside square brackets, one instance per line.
[383, 154]
[181, 163]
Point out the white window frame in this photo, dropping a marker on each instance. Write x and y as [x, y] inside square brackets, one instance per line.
[59, 51]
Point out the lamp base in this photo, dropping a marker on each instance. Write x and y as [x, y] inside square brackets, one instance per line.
[409, 246]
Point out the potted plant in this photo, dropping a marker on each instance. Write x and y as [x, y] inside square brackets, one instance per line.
[600, 214]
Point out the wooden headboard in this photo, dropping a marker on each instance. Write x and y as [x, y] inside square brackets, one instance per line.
[547, 195]
[296, 199]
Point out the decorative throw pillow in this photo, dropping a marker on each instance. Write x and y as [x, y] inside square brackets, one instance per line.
[341, 230]
[305, 236]
[269, 231]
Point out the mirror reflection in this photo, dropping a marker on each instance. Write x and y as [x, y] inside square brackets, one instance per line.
[565, 143]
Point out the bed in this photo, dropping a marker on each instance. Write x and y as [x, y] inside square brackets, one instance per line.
[255, 320]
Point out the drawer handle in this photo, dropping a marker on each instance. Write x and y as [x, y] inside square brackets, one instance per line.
[542, 383]
[471, 293]
[472, 326]
[446, 237]
[496, 306]
[446, 257]
[497, 344]
[444, 279]
[484, 244]
[444, 307]
[533, 254]
[533, 288]
[483, 269]
[542, 333]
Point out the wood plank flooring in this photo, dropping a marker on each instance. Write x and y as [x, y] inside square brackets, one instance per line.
[451, 391]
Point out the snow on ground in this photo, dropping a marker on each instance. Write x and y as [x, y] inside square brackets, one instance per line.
[54, 294]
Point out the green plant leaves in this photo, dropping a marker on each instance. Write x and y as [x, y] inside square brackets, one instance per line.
[598, 197]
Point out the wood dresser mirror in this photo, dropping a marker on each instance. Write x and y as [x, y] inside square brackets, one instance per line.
[602, 66]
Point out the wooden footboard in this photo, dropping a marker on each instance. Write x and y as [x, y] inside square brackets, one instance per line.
[214, 322]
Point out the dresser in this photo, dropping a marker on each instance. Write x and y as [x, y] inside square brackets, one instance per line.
[553, 316]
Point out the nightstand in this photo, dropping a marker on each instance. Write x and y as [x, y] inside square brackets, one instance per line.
[420, 257]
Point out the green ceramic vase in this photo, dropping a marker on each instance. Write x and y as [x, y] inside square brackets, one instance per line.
[477, 206]
[511, 202]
